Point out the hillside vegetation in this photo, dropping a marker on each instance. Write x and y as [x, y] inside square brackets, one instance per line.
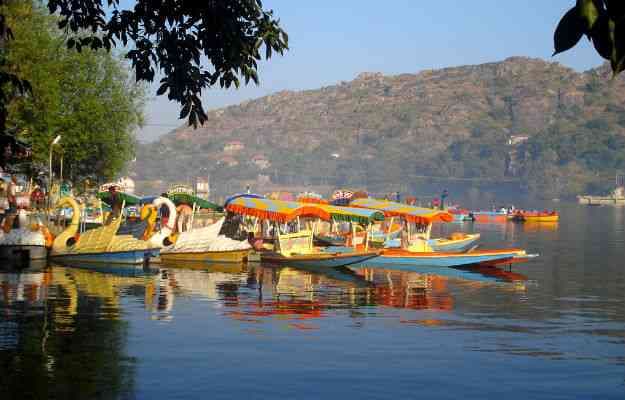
[381, 131]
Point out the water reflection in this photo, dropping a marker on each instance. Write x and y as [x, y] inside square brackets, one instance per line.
[252, 293]
[61, 334]
[68, 329]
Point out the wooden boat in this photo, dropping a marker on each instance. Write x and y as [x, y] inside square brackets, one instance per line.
[196, 244]
[408, 260]
[455, 242]
[297, 249]
[536, 216]
[489, 217]
[461, 215]
[100, 245]
[415, 250]
[226, 256]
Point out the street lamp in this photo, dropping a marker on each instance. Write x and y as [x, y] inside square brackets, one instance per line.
[56, 140]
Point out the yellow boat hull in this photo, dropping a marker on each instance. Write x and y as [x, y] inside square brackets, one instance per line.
[233, 256]
[546, 218]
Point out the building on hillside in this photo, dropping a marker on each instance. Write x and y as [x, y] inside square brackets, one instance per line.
[127, 184]
[514, 140]
[228, 161]
[261, 161]
[203, 187]
[263, 179]
[233, 146]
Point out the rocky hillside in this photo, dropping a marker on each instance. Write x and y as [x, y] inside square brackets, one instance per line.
[539, 126]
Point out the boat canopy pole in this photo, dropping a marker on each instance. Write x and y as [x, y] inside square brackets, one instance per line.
[390, 227]
[192, 217]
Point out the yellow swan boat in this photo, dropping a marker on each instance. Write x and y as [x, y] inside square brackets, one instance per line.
[101, 245]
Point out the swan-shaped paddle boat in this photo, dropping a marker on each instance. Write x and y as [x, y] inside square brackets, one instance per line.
[30, 241]
[199, 244]
[100, 245]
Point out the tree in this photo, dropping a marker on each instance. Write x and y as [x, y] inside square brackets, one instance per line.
[603, 22]
[173, 37]
[170, 38]
[87, 97]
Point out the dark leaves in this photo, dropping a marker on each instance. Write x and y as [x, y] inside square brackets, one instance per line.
[600, 37]
[569, 31]
[603, 21]
[176, 37]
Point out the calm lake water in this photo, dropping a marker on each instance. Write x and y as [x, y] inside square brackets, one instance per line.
[554, 328]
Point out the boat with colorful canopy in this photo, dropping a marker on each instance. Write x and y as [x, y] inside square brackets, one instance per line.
[421, 219]
[289, 226]
[415, 249]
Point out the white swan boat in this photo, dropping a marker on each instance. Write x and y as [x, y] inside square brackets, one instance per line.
[197, 244]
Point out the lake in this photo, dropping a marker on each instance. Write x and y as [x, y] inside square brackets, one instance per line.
[552, 328]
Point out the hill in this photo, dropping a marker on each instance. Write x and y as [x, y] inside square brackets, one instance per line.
[538, 126]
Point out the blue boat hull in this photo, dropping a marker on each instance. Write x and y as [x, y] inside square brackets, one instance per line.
[132, 257]
[440, 260]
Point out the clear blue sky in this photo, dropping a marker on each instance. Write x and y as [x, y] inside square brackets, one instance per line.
[333, 41]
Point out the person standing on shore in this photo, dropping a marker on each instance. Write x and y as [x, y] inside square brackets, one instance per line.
[12, 195]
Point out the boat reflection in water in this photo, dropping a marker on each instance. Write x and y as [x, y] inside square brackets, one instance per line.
[252, 293]
[54, 317]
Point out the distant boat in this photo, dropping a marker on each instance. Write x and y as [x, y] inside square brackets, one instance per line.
[536, 216]
[490, 217]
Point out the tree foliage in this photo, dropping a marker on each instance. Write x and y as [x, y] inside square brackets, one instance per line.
[172, 38]
[603, 22]
[10, 84]
[87, 97]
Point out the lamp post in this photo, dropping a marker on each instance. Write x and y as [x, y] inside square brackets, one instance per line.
[56, 140]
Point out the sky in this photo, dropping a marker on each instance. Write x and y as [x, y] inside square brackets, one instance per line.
[333, 41]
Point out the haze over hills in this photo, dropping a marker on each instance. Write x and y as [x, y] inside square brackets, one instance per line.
[536, 126]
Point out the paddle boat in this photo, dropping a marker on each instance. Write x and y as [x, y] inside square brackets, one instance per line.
[23, 239]
[100, 245]
[415, 250]
[180, 241]
[289, 243]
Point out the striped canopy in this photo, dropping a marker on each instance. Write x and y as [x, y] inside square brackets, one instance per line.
[410, 213]
[275, 210]
[352, 214]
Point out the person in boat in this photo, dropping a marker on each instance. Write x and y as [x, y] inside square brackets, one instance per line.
[115, 203]
[37, 197]
[444, 196]
[256, 243]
